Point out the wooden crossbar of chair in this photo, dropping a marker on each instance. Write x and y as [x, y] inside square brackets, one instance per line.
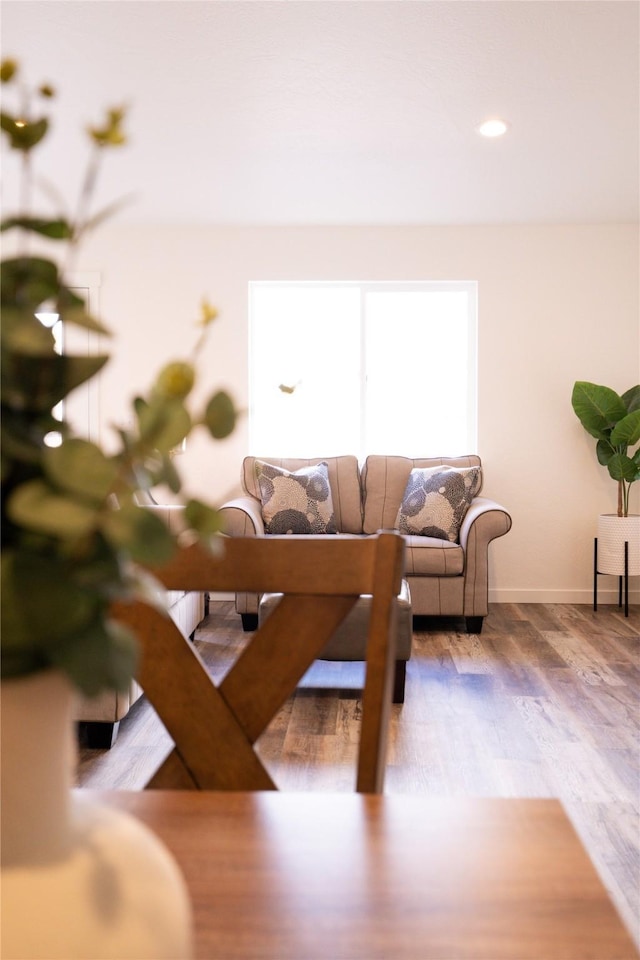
[214, 727]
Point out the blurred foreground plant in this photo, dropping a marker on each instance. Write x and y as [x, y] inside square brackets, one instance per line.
[73, 531]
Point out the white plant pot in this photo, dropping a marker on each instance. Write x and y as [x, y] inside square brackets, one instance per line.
[78, 879]
[613, 531]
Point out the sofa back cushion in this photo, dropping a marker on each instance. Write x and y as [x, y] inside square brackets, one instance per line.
[296, 501]
[436, 500]
[384, 480]
[344, 479]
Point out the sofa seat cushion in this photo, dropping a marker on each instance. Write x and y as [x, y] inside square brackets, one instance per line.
[344, 480]
[306, 536]
[349, 642]
[428, 556]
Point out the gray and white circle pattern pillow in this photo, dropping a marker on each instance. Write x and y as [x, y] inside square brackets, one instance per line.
[436, 500]
[295, 502]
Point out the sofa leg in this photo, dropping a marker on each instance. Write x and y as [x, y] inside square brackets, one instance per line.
[399, 678]
[474, 624]
[249, 622]
[101, 736]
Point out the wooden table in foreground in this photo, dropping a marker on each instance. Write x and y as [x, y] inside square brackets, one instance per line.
[315, 876]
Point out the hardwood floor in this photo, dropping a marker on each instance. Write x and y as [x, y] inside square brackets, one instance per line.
[544, 703]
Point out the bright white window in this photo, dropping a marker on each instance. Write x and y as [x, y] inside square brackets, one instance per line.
[81, 408]
[362, 368]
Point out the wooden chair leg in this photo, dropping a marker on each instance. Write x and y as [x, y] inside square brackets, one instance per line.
[399, 678]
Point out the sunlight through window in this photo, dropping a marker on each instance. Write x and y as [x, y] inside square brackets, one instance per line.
[362, 368]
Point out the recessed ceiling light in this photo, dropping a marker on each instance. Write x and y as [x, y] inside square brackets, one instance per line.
[494, 127]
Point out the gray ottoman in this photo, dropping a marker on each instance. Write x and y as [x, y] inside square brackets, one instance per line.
[350, 639]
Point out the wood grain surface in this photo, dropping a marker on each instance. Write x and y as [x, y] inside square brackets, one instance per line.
[310, 876]
[544, 703]
[214, 725]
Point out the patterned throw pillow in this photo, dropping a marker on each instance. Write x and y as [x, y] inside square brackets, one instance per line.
[436, 500]
[298, 502]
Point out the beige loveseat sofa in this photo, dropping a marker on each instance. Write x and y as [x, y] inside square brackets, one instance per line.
[100, 716]
[446, 577]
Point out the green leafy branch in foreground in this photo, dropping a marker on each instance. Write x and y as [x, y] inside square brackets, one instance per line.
[73, 531]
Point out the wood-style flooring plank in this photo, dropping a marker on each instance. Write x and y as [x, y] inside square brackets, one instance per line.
[543, 703]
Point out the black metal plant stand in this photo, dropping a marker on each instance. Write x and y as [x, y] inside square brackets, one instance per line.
[622, 577]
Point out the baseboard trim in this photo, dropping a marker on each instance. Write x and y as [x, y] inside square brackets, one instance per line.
[606, 595]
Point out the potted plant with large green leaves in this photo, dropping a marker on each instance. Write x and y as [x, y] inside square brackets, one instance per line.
[614, 421]
[74, 539]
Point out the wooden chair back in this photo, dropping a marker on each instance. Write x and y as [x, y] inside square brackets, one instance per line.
[214, 727]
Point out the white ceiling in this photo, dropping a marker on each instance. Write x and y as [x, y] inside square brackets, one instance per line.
[334, 111]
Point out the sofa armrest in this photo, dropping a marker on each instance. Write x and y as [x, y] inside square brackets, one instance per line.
[242, 517]
[485, 520]
[495, 521]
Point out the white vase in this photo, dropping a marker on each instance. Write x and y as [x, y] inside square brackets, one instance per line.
[613, 531]
[79, 880]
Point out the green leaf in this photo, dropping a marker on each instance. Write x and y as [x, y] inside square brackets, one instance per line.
[100, 569]
[13, 625]
[80, 468]
[80, 318]
[598, 408]
[202, 518]
[631, 398]
[66, 627]
[604, 452]
[17, 448]
[104, 655]
[220, 415]
[38, 383]
[41, 603]
[8, 70]
[169, 475]
[106, 213]
[28, 281]
[627, 431]
[22, 435]
[163, 423]
[68, 299]
[622, 467]
[37, 507]
[54, 229]
[23, 333]
[175, 380]
[20, 661]
[23, 136]
[142, 534]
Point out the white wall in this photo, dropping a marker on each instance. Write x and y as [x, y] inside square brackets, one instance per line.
[556, 304]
